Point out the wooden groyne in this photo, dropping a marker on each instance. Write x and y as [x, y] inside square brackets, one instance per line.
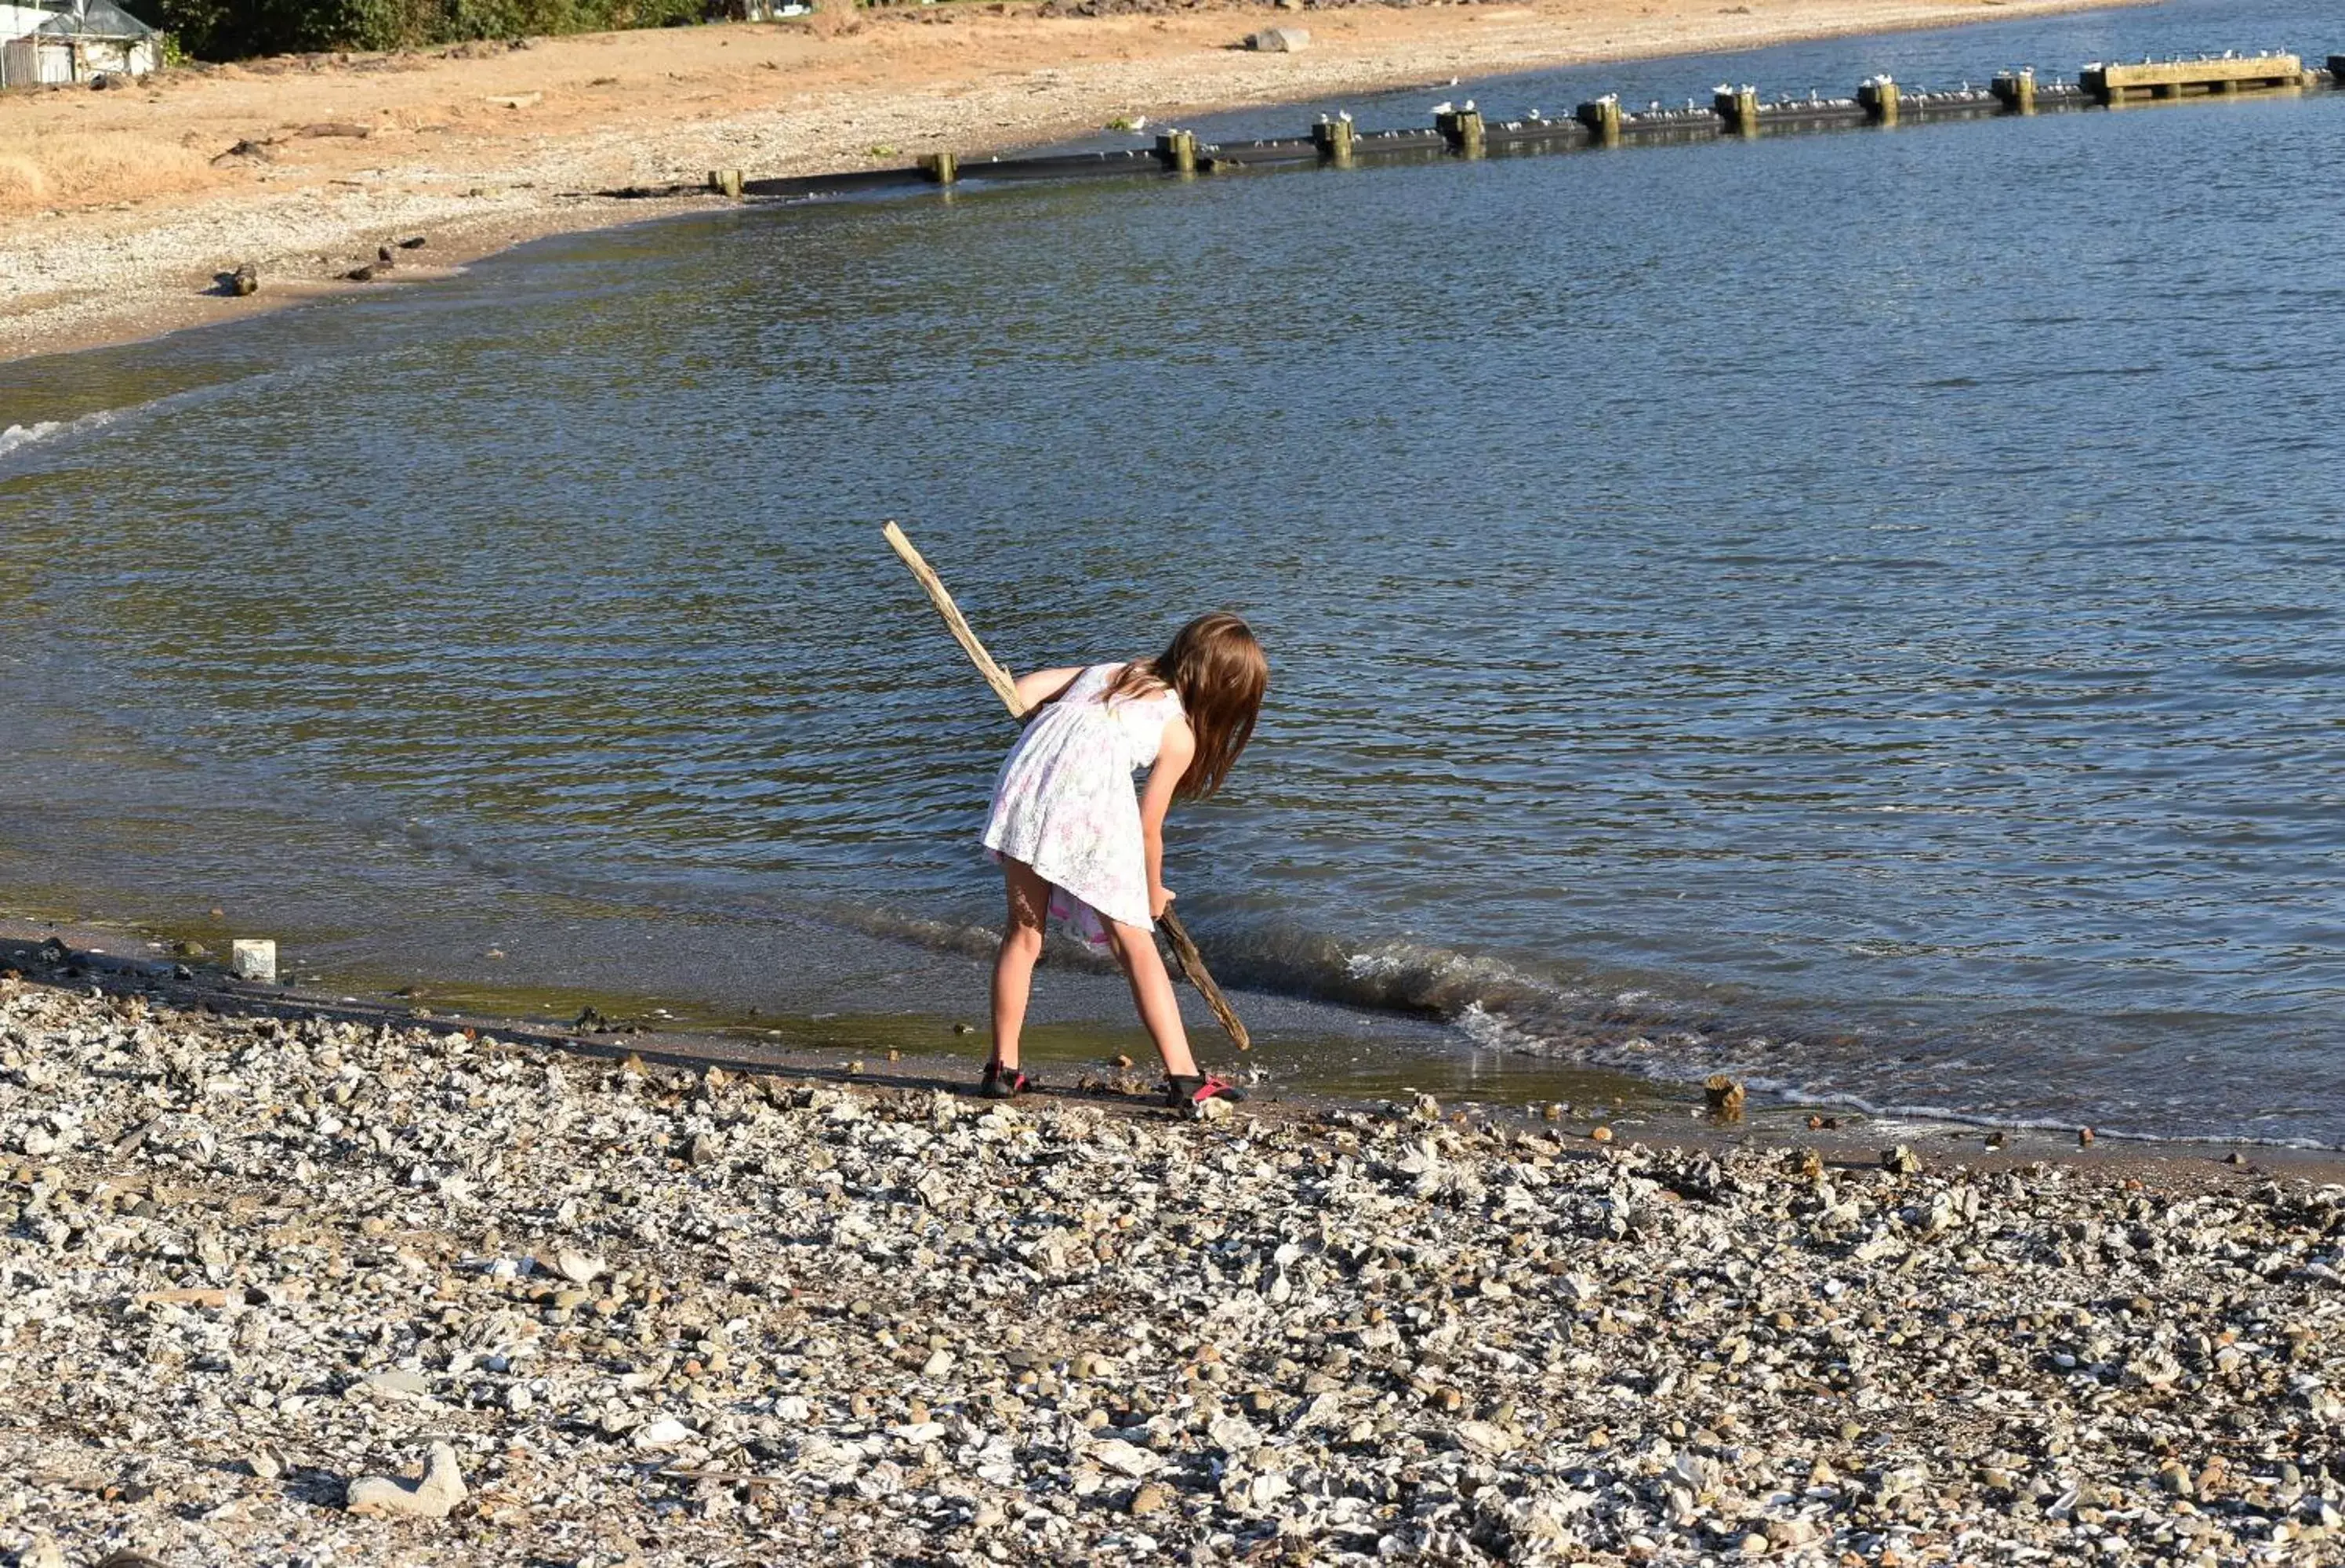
[1465, 131]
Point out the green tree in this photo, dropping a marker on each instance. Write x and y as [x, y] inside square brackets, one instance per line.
[234, 29]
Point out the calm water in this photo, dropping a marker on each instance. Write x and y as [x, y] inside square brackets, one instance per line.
[1863, 611]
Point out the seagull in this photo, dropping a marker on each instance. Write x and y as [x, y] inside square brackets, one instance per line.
[1345, 116]
[1443, 108]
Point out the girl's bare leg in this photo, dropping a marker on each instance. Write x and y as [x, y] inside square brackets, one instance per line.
[1152, 993]
[1021, 946]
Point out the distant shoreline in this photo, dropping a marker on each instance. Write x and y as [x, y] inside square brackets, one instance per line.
[126, 206]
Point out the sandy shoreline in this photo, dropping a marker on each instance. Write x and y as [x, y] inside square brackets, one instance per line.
[636, 1313]
[119, 210]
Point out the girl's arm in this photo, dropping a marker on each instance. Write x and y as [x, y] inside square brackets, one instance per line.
[1173, 753]
[1044, 685]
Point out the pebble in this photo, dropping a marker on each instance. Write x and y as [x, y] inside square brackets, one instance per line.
[578, 1268]
[890, 1324]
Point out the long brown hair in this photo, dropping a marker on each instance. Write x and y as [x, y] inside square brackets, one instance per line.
[1217, 669]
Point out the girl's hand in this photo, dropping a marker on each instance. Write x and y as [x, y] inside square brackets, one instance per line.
[1159, 900]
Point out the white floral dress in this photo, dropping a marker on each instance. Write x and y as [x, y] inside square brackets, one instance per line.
[1066, 805]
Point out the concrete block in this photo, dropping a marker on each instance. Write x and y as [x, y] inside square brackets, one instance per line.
[253, 958]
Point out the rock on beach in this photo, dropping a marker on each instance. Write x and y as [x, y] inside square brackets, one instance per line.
[888, 1324]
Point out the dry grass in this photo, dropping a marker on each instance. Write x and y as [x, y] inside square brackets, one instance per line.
[82, 169]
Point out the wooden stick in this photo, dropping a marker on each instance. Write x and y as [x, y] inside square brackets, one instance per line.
[995, 675]
[1192, 964]
[1184, 950]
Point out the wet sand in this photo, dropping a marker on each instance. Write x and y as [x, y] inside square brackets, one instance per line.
[1111, 1069]
[119, 211]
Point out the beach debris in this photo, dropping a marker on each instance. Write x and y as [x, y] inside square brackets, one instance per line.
[1725, 1097]
[244, 282]
[514, 100]
[350, 129]
[358, 275]
[1279, 40]
[433, 1497]
[247, 151]
[2084, 1136]
[413, 242]
[1901, 1160]
[253, 958]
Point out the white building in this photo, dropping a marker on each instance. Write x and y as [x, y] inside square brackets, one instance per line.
[69, 41]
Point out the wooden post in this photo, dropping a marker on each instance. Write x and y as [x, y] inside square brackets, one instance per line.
[1603, 119]
[1177, 151]
[1879, 96]
[725, 182]
[942, 168]
[1333, 137]
[2016, 90]
[1739, 107]
[1184, 951]
[1462, 130]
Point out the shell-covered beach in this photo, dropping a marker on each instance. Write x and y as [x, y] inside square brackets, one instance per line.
[632, 1311]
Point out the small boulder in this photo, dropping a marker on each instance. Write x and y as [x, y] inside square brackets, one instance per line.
[1279, 41]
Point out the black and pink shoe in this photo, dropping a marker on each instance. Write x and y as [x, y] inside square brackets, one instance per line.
[1187, 1093]
[1003, 1083]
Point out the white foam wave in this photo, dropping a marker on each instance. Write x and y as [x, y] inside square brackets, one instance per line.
[16, 438]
